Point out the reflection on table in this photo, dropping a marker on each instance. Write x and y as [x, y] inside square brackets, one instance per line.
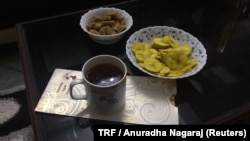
[218, 94]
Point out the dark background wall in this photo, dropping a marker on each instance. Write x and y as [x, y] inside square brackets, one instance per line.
[14, 11]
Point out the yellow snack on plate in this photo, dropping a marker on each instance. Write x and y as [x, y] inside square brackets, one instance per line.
[174, 73]
[150, 53]
[158, 43]
[164, 56]
[171, 41]
[164, 71]
[138, 47]
[153, 65]
[139, 56]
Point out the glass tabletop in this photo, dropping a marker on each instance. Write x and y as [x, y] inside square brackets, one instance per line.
[218, 94]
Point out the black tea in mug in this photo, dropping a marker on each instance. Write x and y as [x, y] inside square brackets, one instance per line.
[104, 74]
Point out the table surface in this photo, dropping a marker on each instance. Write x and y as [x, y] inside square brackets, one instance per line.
[218, 94]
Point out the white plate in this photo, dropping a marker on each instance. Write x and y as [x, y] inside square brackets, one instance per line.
[147, 34]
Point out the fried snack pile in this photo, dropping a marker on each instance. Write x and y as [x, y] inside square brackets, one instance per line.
[164, 56]
[111, 23]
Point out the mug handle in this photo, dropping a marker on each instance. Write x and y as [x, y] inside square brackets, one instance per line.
[71, 86]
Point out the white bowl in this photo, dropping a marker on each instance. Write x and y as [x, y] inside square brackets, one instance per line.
[147, 34]
[105, 39]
